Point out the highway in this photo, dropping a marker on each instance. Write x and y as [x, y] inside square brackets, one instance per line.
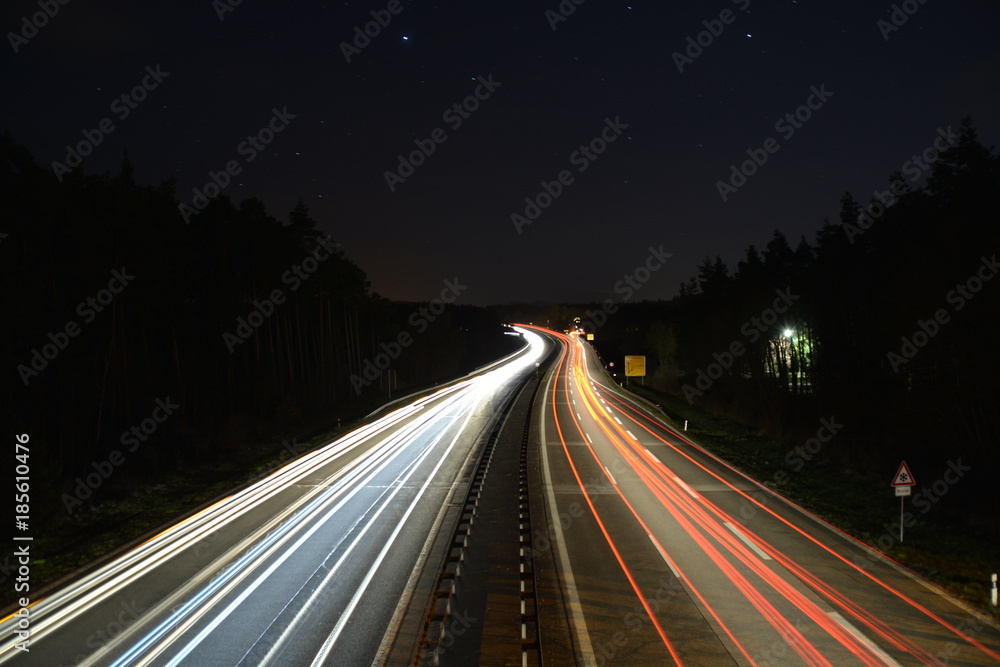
[632, 545]
[312, 565]
[660, 553]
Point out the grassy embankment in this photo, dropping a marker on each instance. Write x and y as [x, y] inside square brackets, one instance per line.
[951, 554]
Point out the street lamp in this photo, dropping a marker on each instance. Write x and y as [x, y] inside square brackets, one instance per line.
[788, 357]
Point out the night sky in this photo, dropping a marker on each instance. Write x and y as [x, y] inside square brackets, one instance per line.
[225, 70]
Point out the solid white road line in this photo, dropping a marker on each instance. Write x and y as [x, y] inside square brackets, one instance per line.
[327, 647]
[286, 553]
[574, 609]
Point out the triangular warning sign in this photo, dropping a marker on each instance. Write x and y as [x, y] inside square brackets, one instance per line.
[903, 476]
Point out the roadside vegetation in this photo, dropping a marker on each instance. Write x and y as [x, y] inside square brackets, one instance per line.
[949, 553]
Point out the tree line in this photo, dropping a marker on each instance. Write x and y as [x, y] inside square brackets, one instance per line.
[887, 322]
[180, 345]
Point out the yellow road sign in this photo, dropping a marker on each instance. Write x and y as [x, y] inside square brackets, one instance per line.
[635, 365]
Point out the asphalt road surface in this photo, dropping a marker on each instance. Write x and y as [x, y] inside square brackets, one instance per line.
[664, 554]
[642, 548]
[310, 566]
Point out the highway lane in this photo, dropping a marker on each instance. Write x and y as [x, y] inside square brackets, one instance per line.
[305, 567]
[667, 555]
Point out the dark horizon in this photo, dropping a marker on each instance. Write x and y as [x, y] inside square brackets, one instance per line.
[212, 78]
